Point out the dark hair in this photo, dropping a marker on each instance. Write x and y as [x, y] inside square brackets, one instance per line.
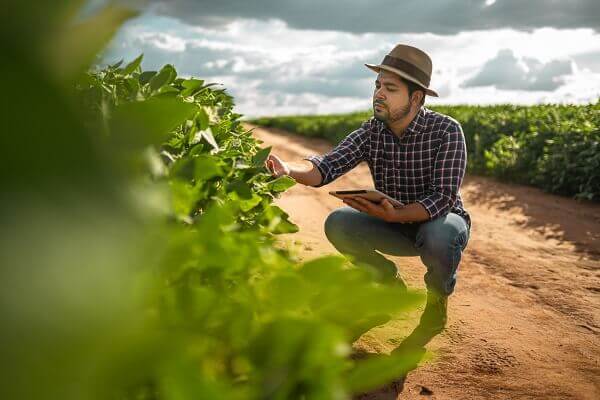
[413, 87]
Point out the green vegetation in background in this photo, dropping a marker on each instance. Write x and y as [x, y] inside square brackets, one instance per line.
[553, 147]
[137, 254]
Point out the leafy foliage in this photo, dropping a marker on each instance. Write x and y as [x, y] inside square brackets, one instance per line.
[138, 241]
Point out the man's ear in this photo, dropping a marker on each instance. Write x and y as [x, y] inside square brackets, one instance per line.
[421, 96]
[417, 96]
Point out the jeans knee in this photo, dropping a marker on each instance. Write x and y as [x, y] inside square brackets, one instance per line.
[441, 245]
[336, 224]
[441, 253]
[434, 248]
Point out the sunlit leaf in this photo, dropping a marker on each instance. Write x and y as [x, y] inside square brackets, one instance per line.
[165, 76]
[260, 157]
[134, 65]
[137, 124]
[206, 167]
[282, 183]
[191, 86]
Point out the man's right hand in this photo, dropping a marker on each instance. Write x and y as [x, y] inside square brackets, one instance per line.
[277, 166]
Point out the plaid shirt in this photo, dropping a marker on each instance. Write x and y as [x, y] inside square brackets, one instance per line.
[426, 165]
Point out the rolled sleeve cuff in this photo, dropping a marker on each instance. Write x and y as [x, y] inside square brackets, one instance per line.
[435, 204]
[322, 166]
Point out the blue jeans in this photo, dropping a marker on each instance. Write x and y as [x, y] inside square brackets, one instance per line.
[439, 242]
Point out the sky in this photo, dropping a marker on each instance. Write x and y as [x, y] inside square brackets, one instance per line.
[282, 57]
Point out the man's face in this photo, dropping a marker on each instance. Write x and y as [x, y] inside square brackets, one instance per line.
[390, 98]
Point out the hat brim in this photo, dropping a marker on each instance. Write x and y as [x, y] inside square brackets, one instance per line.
[377, 68]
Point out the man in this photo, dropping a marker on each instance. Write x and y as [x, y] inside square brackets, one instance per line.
[416, 156]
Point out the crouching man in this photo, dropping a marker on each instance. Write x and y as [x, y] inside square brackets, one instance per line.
[416, 156]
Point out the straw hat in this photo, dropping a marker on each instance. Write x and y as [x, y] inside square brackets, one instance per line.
[410, 63]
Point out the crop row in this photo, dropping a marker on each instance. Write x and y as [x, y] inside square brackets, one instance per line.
[554, 147]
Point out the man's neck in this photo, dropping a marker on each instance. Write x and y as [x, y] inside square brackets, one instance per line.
[399, 127]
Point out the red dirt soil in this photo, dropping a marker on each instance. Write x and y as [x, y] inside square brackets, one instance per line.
[524, 320]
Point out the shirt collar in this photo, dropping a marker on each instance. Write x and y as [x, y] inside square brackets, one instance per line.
[417, 122]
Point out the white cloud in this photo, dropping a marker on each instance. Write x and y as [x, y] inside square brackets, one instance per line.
[163, 41]
[505, 71]
[273, 69]
[359, 16]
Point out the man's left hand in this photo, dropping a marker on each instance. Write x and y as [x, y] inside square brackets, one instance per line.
[384, 210]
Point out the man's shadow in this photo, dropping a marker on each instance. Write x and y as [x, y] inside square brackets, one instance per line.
[412, 348]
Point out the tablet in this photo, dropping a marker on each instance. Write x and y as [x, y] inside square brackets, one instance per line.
[370, 194]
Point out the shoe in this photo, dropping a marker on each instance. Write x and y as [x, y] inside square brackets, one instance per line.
[359, 354]
[432, 323]
[435, 314]
[398, 385]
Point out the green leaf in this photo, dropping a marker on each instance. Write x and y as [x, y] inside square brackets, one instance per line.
[133, 66]
[141, 123]
[206, 167]
[168, 90]
[146, 76]
[183, 197]
[288, 291]
[323, 271]
[192, 83]
[165, 76]
[117, 64]
[285, 226]
[202, 119]
[281, 184]
[249, 204]
[133, 85]
[191, 86]
[183, 168]
[260, 157]
[241, 188]
[378, 370]
[276, 220]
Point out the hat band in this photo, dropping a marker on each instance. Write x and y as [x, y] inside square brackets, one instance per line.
[406, 67]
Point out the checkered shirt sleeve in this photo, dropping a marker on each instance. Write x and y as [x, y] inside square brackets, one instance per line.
[448, 173]
[342, 158]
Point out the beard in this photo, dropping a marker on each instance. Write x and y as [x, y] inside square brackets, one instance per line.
[389, 117]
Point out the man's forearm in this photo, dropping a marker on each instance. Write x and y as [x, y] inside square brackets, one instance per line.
[305, 173]
[413, 212]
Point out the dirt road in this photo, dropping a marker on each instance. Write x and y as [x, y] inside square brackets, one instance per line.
[524, 321]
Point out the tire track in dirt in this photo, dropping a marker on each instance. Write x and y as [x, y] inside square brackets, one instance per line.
[524, 321]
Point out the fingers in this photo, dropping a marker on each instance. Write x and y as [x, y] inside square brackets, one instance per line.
[271, 168]
[276, 166]
[356, 203]
[272, 160]
[387, 204]
[366, 203]
[275, 169]
[269, 165]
